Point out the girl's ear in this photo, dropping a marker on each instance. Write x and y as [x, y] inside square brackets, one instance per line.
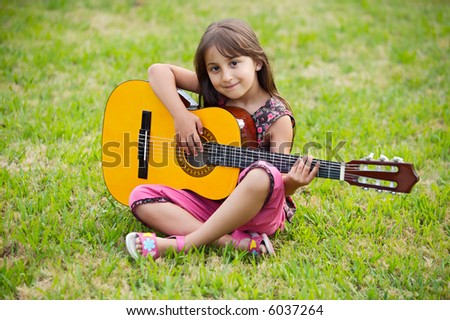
[259, 65]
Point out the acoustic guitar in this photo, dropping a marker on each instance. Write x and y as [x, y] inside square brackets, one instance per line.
[139, 147]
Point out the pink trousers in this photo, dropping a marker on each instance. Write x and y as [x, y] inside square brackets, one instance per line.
[268, 220]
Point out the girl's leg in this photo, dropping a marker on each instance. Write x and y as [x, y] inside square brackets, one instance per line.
[167, 218]
[171, 219]
[240, 207]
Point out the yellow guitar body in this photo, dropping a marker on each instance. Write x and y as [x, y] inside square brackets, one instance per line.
[123, 120]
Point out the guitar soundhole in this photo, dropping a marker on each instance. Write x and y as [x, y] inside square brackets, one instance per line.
[197, 161]
[196, 166]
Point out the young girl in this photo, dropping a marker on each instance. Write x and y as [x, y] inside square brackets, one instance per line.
[231, 69]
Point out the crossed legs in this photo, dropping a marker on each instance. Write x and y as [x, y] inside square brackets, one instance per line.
[241, 206]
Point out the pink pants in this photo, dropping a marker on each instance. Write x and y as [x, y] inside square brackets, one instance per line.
[268, 220]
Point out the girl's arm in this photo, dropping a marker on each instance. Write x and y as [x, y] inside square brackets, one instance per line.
[300, 175]
[165, 79]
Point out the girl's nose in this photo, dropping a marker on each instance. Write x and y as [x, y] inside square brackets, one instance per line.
[227, 75]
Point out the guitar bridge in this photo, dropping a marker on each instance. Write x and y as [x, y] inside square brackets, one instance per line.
[144, 144]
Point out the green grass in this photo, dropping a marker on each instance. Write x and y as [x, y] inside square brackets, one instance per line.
[373, 73]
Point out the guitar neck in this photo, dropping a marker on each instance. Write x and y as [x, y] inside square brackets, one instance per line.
[238, 157]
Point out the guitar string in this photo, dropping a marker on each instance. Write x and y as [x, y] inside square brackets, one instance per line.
[350, 175]
[281, 159]
[332, 171]
[336, 172]
[324, 169]
[276, 156]
[287, 159]
[272, 154]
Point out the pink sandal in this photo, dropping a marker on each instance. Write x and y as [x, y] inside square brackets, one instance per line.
[149, 247]
[255, 242]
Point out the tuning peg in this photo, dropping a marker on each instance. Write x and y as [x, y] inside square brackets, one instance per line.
[369, 157]
[379, 168]
[364, 167]
[395, 159]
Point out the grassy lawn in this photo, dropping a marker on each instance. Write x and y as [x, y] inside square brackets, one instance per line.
[374, 74]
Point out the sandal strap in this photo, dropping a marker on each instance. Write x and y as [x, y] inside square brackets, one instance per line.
[255, 241]
[238, 236]
[149, 246]
[264, 239]
[180, 242]
[254, 244]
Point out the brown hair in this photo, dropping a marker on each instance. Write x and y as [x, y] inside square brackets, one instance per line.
[232, 38]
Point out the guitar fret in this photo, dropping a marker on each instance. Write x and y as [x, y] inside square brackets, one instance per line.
[246, 158]
[329, 168]
[224, 154]
[237, 158]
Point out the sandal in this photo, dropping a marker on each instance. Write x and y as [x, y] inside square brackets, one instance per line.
[255, 242]
[148, 242]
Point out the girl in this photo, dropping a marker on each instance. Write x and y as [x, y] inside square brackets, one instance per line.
[231, 69]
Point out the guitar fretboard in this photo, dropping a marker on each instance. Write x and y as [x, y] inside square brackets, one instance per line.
[238, 157]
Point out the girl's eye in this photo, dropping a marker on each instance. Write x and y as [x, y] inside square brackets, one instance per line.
[214, 69]
[234, 63]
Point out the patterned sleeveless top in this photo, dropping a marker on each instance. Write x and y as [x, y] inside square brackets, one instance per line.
[265, 116]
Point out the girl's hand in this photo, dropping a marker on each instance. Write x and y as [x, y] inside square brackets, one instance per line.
[188, 127]
[300, 174]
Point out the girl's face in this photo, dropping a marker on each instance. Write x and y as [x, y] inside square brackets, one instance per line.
[235, 77]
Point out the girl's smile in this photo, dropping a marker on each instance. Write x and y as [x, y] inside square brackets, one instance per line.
[230, 86]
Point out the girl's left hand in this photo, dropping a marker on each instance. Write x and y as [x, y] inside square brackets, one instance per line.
[300, 174]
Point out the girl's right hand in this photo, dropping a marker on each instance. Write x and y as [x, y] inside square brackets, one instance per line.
[164, 80]
[189, 127]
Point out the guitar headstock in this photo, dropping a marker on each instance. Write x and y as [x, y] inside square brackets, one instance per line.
[383, 174]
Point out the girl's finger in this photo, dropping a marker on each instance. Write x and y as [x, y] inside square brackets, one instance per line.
[315, 169]
[306, 164]
[297, 163]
